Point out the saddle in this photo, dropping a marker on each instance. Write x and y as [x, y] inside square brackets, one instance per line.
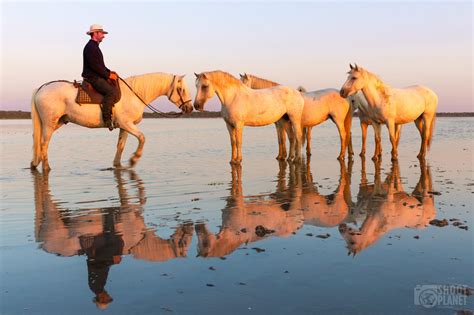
[86, 94]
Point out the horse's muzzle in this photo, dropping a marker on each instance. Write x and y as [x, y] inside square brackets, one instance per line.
[198, 107]
[187, 108]
[342, 94]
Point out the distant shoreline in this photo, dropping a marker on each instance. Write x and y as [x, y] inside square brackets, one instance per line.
[10, 114]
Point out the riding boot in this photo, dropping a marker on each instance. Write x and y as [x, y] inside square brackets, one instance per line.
[107, 116]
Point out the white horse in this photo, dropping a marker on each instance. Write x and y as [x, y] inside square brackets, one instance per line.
[242, 106]
[394, 107]
[318, 107]
[358, 102]
[54, 105]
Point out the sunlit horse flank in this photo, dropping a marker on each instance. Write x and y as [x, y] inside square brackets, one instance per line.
[53, 105]
[394, 107]
[318, 107]
[243, 106]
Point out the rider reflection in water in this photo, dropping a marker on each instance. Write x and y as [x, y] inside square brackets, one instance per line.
[102, 250]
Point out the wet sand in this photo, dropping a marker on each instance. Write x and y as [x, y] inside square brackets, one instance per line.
[184, 232]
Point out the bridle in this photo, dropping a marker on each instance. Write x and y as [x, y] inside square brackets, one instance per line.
[183, 102]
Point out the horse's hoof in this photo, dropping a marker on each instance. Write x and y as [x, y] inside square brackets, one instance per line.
[32, 166]
[132, 162]
[46, 169]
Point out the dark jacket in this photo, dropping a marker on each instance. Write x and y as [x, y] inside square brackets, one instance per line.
[93, 62]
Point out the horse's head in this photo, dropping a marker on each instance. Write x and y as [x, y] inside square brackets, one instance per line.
[205, 91]
[354, 83]
[179, 94]
[247, 80]
[354, 239]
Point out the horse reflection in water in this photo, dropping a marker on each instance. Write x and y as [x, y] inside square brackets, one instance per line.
[104, 235]
[389, 207]
[248, 219]
[327, 210]
[252, 218]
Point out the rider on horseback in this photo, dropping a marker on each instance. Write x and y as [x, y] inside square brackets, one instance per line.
[95, 72]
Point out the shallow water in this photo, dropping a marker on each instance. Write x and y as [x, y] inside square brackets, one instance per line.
[184, 232]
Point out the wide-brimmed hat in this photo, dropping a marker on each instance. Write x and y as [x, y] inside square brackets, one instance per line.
[96, 28]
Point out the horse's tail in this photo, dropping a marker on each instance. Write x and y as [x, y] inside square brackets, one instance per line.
[37, 132]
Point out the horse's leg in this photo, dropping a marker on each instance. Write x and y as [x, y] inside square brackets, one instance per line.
[398, 129]
[281, 133]
[132, 129]
[419, 125]
[46, 137]
[277, 128]
[427, 121]
[120, 146]
[393, 140]
[291, 138]
[295, 151]
[348, 129]
[308, 141]
[231, 130]
[363, 128]
[342, 135]
[378, 142]
[238, 142]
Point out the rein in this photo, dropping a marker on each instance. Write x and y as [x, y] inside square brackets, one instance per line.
[155, 110]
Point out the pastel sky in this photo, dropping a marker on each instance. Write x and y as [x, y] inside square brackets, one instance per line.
[302, 43]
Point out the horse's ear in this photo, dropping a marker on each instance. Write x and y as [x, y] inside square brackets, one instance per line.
[204, 76]
[356, 67]
[197, 75]
[350, 65]
[180, 77]
[240, 75]
[245, 75]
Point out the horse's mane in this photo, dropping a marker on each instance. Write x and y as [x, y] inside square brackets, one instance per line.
[145, 84]
[259, 83]
[383, 88]
[221, 77]
[141, 81]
